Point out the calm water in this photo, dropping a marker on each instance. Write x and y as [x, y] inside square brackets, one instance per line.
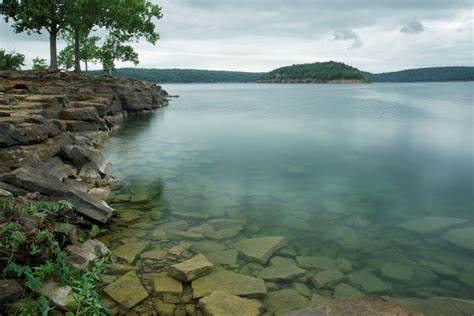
[379, 174]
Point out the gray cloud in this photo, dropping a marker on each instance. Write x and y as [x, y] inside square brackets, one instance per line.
[414, 27]
[259, 35]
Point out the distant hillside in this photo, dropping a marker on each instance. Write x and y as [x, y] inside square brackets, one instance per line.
[185, 75]
[324, 72]
[434, 74]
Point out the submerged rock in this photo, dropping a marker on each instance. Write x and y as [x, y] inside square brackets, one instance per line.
[259, 249]
[397, 271]
[327, 278]
[368, 282]
[438, 268]
[370, 306]
[438, 305]
[313, 262]
[281, 269]
[224, 257]
[428, 224]
[220, 303]
[166, 285]
[284, 301]
[191, 269]
[344, 290]
[230, 282]
[462, 237]
[128, 291]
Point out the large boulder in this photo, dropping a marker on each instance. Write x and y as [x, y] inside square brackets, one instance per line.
[80, 114]
[81, 155]
[61, 296]
[220, 303]
[33, 181]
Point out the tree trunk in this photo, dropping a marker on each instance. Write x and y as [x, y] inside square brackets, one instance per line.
[77, 50]
[110, 71]
[85, 62]
[53, 51]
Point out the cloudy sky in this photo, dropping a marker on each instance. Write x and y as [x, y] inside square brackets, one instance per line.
[259, 35]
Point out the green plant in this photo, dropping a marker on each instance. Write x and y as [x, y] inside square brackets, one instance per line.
[95, 230]
[11, 61]
[39, 63]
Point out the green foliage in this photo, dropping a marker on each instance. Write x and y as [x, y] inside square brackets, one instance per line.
[66, 57]
[95, 230]
[89, 51]
[114, 50]
[314, 73]
[185, 75]
[434, 74]
[39, 63]
[11, 61]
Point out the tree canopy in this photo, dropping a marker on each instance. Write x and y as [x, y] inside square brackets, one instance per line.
[11, 61]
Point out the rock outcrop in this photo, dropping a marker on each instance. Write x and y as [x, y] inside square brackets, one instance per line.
[50, 123]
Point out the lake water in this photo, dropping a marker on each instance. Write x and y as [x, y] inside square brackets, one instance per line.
[379, 174]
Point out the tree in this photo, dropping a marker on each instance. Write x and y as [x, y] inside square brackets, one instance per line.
[89, 51]
[113, 50]
[39, 63]
[34, 16]
[11, 61]
[66, 57]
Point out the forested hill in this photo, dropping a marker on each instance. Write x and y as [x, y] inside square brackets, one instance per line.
[434, 74]
[185, 75]
[320, 72]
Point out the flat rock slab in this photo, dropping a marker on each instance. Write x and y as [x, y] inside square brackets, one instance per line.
[281, 269]
[191, 215]
[130, 251]
[167, 285]
[206, 246]
[220, 303]
[284, 301]
[230, 282]
[428, 224]
[368, 282]
[438, 268]
[312, 262]
[10, 290]
[397, 271]
[155, 254]
[259, 249]
[189, 235]
[82, 255]
[370, 306]
[224, 257]
[327, 278]
[128, 291]
[191, 269]
[462, 237]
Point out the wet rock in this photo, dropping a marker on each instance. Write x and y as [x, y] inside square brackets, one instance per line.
[140, 197]
[191, 215]
[438, 268]
[284, 301]
[344, 265]
[61, 296]
[368, 282]
[130, 251]
[172, 227]
[220, 303]
[397, 271]
[176, 251]
[10, 290]
[327, 278]
[119, 269]
[127, 290]
[346, 237]
[259, 249]
[370, 306]
[281, 269]
[90, 206]
[165, 309]
[219, 229]
[313, 262]
[344, 290]
[462, 237]
[428, 224]
[81, 256]
[164, 284]
[224, 257]
[191, 269]
[206, 246]
[302, 289]
[230, 282]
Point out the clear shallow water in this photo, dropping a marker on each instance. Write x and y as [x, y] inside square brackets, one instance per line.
[378, 174]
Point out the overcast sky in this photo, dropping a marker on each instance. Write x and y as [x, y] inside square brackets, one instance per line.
[260, 35]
